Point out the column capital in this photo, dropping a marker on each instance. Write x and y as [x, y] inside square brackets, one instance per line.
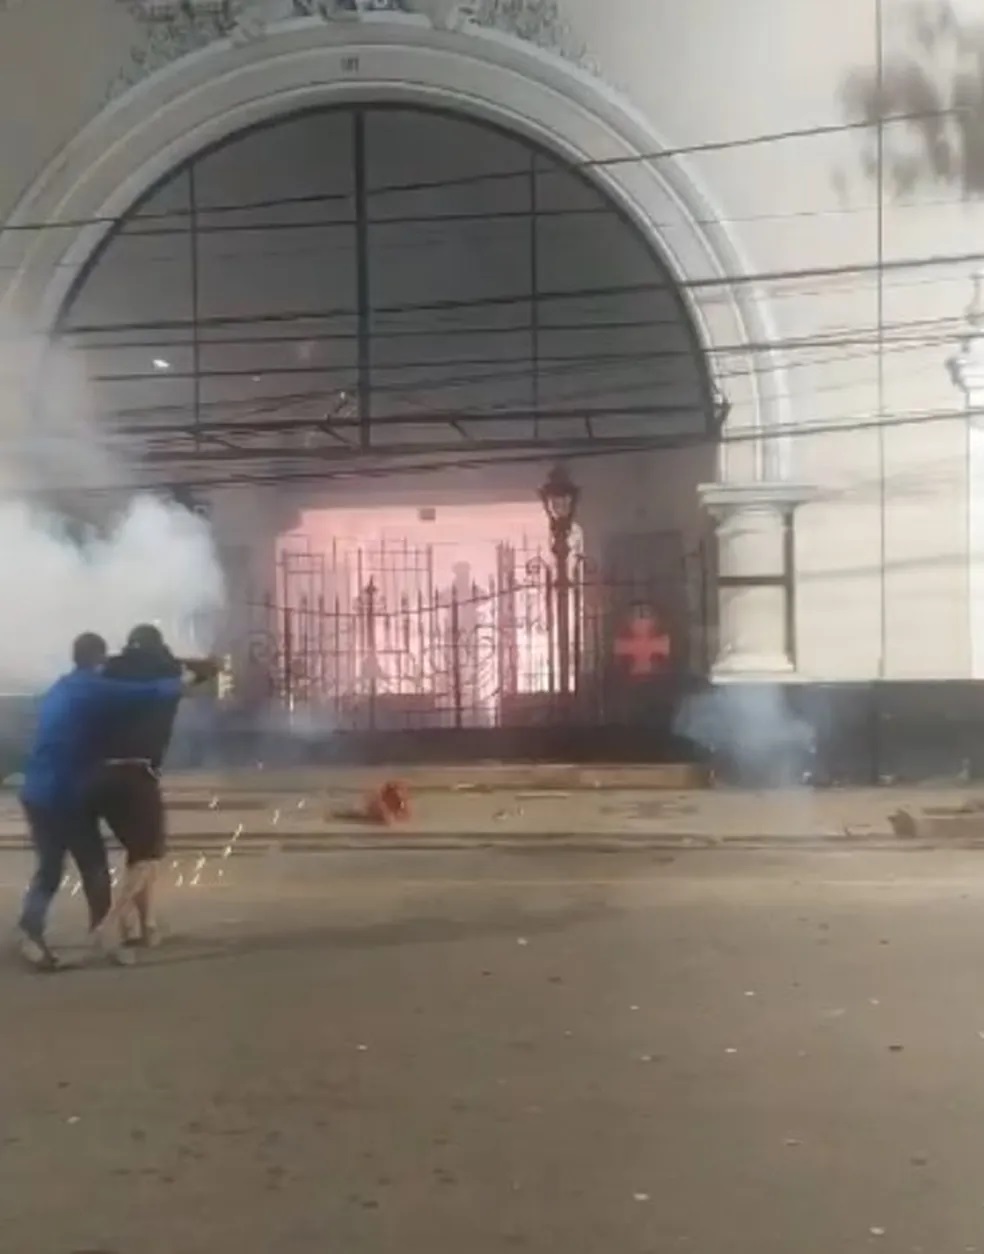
[722, 500]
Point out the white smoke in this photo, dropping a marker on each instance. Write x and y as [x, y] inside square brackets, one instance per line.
[750, 735]
[144, 558]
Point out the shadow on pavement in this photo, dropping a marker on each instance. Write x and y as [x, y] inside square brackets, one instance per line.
[183, 948]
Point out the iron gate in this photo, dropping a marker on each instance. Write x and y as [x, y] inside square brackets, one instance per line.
[374, 640]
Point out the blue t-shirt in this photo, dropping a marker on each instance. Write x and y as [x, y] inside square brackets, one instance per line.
[68, 738]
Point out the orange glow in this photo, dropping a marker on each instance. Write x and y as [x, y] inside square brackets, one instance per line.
[482, 569]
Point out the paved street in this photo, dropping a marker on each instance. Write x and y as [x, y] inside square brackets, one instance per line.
[481, 1051]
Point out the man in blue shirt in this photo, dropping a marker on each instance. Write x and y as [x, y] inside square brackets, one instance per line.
[56, 782]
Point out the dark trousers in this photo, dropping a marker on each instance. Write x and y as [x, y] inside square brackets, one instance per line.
[127, 796]
[56, 833]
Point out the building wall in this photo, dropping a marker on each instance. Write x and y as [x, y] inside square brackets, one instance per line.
[882, 551]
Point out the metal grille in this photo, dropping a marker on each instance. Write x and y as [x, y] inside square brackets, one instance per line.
[484, 300]
[368, 638]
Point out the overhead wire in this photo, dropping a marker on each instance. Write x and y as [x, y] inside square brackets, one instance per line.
[791, 289]
[944, 330]
[451, 306]
[558, 449]
[68, 336]
[562, 166]
[254, 410]
[557, 168]
[472, 415]
[580, 391]
[509, 300]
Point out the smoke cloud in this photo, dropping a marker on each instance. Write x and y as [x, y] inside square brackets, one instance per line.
[71, 560]
[750, 735]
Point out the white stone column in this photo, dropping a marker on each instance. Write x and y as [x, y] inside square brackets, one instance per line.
[967, 369]
[756, 579]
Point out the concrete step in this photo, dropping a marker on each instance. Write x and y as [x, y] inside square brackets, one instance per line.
[478, 777]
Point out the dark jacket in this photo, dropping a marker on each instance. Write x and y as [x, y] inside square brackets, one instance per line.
[143, 732]
[68, 740]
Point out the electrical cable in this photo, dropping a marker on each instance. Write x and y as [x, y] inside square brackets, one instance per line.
[556, 361]
[257, 406]
[550, 452]
[710, 146]
[457, 306]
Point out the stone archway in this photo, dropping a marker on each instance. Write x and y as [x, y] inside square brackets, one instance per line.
[232, 85]
[226, 88]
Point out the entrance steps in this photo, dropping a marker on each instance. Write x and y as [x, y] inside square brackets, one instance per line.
[479, 777]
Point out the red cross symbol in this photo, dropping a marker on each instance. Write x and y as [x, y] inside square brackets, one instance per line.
[646, 646]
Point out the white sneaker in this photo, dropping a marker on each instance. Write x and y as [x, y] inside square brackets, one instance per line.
[117, 956]
[105, 949]
[34, 951]
[148, 937]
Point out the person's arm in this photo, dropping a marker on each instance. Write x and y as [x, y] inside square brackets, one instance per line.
[126, 692]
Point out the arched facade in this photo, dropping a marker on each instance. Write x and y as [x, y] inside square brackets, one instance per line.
[827, 287]
[246, 82]
[306, 249]
[226, 88]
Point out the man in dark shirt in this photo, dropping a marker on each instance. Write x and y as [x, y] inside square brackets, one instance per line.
[126, 791]
[56, 781]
